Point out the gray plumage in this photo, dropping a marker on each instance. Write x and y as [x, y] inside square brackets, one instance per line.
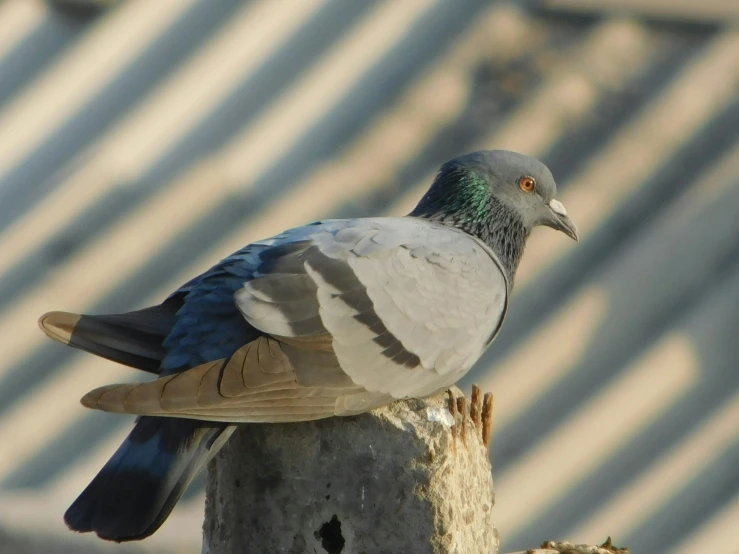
[333, 318]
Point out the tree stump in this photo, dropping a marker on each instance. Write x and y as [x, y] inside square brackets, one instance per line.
[410, 478]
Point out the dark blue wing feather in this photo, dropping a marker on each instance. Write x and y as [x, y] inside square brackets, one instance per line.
[135, 491]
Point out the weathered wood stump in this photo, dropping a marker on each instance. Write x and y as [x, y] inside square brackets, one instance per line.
[411, 478]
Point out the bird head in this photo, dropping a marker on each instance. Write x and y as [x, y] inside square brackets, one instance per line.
[498, 197]
[521, 183]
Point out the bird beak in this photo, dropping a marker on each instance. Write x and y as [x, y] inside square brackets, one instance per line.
[559, 220]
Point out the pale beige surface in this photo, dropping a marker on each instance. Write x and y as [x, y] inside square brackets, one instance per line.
[663, 376]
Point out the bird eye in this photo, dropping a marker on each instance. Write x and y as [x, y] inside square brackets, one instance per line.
[527, 184]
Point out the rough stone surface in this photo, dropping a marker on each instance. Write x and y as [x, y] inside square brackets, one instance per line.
[565, 547]
[391, 481]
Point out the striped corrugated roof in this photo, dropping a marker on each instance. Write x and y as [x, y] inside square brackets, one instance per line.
[141, 143]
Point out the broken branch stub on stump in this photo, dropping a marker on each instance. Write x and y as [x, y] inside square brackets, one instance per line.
[403, 478]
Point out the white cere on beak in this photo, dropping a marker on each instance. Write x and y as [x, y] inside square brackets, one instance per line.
[557, 207]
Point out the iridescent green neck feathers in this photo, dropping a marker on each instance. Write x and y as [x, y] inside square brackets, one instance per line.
[461, 198]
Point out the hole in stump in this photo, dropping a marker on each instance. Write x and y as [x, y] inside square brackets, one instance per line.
[330, 534]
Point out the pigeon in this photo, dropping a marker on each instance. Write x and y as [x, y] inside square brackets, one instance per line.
[334, 318]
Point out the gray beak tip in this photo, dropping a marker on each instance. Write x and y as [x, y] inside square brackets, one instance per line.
[573, 234]
[561, 221]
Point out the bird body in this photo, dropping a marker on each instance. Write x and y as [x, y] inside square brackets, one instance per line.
[350, 315]
[329, 319]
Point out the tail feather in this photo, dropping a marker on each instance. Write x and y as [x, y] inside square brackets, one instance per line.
[136, 490]
[133, 339]
[134, 493]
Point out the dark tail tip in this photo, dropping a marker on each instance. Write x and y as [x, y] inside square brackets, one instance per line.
[128, 508]
[137, 489]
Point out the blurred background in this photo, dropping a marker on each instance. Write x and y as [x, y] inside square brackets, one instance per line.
[141, 141]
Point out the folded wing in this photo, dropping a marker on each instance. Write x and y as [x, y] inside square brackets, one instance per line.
[354, 314]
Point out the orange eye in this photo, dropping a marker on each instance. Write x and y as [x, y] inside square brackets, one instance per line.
[527, 184]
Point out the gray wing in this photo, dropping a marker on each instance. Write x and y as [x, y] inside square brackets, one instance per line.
[409, 305]
[356, 313]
